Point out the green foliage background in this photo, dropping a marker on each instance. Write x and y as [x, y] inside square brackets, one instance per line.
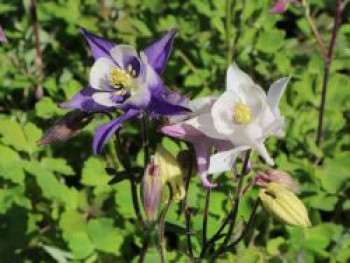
[56, 203]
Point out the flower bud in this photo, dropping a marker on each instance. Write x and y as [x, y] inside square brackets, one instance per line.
[280, 177]
[68, 126]
[283, 179]
[284, 205]
[151, 189]
[2, 36]
[170, 171]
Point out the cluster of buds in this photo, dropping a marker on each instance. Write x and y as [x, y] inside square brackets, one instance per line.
[277, 194]
[162, 170]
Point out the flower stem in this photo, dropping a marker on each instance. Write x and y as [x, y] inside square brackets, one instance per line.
[133, 186]
[162, 243]
[145, 139]
[247, 228]
[38, 54]
[187, 211]
[315, 30]
[228, 31]
[234, 211]
[328, 60]
[205, 217]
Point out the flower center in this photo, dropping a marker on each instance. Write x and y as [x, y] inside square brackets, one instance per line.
[242, 113]
[119, 78]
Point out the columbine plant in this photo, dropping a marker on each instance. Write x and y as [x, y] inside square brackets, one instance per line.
[232, 125]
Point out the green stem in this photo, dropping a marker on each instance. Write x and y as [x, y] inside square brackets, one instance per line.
[228, 31]
[206, 216]
[315, 30]
[145, 139]
[234, 212]
[133, 184]
[247, 228]
[162, 243]
[327, 68]
[187, 210]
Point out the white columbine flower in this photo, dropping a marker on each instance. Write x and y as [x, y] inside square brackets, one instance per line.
[243, 115]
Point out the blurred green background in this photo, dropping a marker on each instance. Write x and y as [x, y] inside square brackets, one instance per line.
[55, 202]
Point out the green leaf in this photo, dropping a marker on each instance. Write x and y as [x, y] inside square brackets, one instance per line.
[47, 109]
[50, 186]
[11, 165]
[104, 235]
[273, 246]
[270, 40]
[94, 173]
[33, 134]
[57, 254]
[334, 173]
[57, 165]
[13, 135]
[81, 245]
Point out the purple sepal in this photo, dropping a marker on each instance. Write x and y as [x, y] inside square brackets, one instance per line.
[83, 101]
[158, 53]
[104, 132]
[165, 102]
[160, 106]
[99, 46]
[201, 144]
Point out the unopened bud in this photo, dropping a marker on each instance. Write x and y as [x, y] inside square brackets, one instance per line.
[280, 177]
[171, 173]
[283, 179]
[2, 36]
[66, 127]
[284, 205]
[151, 188]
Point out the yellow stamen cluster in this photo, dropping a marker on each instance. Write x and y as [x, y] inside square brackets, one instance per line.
[242, 113]
[131, 71]
[118, 77]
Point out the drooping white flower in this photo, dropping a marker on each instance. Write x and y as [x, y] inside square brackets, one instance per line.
[243, 115]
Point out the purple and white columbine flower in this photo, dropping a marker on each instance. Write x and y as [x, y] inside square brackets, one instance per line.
[123, 79]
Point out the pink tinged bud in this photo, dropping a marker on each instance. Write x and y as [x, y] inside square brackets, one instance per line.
[283, 179]
[2, 36]
[280, 7]
[276, 176]
[151, 190]
[68, 126]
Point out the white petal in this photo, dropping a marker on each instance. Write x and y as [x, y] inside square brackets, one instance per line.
[104, 98]
[140, 97]
[235, 78]
[275, 93]
[223, 161]
[99, 73]
[202, 105]
[260, 147]
[204, 123]
[119, 52]
[222, 113]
